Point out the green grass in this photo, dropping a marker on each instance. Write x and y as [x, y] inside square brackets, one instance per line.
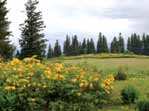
[136, 68]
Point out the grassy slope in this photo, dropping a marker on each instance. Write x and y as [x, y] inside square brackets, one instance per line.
[136, 68]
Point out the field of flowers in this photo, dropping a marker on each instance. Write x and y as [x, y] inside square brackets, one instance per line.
[136, 71]
[34, 85]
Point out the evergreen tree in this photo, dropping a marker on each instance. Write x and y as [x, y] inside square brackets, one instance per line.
[88, 47]
[50, 53]
[136, 44]
[132, 42]
[99, 43]
[57, 49]
[146, 45]
[92, 46]
[129, 44]
[75, 46]
[121, 44]
[139, 45]
[67, 46]
[143, 43]
[80, 47]
[32, 40]
[114, 46]
[84, 47]
[104, 45]
[6, 48]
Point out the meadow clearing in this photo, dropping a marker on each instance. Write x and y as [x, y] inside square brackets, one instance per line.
[137, 70]
[82, 84]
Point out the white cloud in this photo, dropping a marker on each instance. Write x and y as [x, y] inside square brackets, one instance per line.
[84, 17]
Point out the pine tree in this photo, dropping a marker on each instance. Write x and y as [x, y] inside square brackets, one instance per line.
[79, 48]
[104, 45]
[57, 49]
[99, 43]
[143, 43]
[50, 53]
[114, 46]
[32, 40]
[132, 43]
[6, 48]
[139, 45]
[92, 46]
[146, 45]
[75, 46]
[136, 44]
[84, 47]
[121, 44]
[88, 47]
[67, 46]
[129, 44]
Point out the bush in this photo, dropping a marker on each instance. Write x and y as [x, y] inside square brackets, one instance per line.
[129, 95]
[34, 85]
[143, 105]
[121, 75]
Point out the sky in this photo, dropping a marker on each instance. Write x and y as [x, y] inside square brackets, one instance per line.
[86, 18]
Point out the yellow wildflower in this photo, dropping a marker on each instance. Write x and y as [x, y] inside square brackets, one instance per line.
[81, 85]
[56, 76]
[48, 73]
[102, 85]
[9, 88]
[74, 80]
[78, 94]
[91, 85]
[61, 77]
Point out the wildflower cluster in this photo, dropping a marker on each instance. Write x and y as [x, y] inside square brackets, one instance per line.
[35, 84]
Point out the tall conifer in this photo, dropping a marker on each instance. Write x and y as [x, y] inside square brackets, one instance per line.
[6, 48]
[32, 40]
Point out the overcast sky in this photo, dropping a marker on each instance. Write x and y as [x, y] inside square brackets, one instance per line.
[86, 18]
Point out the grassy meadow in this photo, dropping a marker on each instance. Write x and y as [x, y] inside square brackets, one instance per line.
[74, 83]
[137, 70]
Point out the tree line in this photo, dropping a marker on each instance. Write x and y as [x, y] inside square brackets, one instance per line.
[72, 46]
[32, 39]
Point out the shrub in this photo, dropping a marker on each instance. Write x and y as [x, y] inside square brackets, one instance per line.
[34, 85]
[129, 95]
[143, 105]
[121, 75]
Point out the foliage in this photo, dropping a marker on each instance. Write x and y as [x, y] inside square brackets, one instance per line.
[121, 75]
[6, 48]
[143, 105]
[32, 40]
[121, 44]
[102, 46]
[50, 53]
[117, 45]
[67, 46]
[90, 46]
[129, 94]
[135, 44]
[84, 47]
[145, 44]
[57, 49]
[30, 85]
[75, 46]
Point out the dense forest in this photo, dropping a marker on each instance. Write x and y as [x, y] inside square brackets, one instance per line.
[32, 39]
